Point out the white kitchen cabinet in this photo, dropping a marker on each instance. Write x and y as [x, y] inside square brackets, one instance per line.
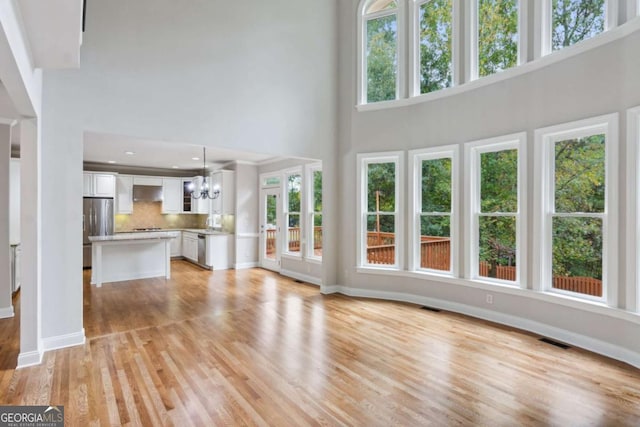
[190, 246]
[96, 184]
[187, 200]
[124, 194]
[201, 205]
[224, 181]
[176, 243]
[220, 251]
[147, 180]
[171, 195]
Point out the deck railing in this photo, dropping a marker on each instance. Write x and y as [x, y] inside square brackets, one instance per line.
[294, 240]
[435, 253]
[583, 285]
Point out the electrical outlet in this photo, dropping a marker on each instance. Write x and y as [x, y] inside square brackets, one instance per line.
[489, 299]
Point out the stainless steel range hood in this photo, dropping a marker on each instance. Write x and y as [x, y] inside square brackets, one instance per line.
[147, 193]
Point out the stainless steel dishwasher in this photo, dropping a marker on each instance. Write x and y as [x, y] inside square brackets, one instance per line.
[202, 250]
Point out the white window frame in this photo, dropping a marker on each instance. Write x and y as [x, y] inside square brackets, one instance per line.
[632, 302]
[633, 9]
[362, 49]
[414, 57]
[545, 25]
[310, 169]
[265, 176]
[415, 206]
[471, 28]
[473, 151]
[363, 160]
[285, 212]
[545, 140]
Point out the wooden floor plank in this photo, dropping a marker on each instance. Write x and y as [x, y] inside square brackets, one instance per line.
[250, 347]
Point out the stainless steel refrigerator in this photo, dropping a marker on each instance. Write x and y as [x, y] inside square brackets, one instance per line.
[97, 220]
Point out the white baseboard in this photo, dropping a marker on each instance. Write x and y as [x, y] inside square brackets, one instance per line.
[583, 341]
[300, 276]
[30, 358]
[326, 290]
[6, 312]
[242, 265]
[63, 341]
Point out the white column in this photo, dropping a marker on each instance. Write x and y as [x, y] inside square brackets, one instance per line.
[6, 307]
[30, 234]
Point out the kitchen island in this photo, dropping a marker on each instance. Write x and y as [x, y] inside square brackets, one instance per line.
[130, 256]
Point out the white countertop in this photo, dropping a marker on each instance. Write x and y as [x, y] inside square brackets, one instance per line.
[143, 235]
[190, 230]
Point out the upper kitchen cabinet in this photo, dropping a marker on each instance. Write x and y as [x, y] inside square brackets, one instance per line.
[189, 203]
[97, 184]
[124, 194]
[224, 181]
[171, 195]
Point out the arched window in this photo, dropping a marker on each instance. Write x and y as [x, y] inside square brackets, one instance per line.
[379, 50]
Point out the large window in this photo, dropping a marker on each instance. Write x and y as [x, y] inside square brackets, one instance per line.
[577, 207]
[496, 36]
[435, 47]
[380, 242]
[380, 50]
[434, 207]
[575, 20]
[495, 183]
[293, 182]
[314, 186]
[567, 22]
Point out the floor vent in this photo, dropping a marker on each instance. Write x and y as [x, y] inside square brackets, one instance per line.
[556, 343]
[437, 310]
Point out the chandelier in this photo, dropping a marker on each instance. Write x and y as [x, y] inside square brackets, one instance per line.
[204, 192]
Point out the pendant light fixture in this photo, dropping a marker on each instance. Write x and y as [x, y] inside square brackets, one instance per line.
[204, 192]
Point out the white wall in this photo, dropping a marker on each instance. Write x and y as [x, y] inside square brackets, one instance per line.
[600, 81]
[255, 76]
[247, 196]
[6, 307]
[14, 202]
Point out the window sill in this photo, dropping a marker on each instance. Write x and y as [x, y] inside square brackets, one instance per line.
[609, 36]
[591, 306]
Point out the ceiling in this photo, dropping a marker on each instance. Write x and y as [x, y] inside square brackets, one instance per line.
[108, 148]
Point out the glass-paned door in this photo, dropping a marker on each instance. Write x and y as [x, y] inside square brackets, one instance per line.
[270, 212]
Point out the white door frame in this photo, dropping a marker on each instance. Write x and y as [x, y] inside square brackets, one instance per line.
[267, 263]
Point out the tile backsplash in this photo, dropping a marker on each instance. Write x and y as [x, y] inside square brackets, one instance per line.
[149, 214]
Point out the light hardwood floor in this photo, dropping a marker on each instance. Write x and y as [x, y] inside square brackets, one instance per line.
[250, 347]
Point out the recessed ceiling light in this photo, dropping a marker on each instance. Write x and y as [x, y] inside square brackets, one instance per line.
[111, 161]
[129, 153]
[175, 167]
[195, 158]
